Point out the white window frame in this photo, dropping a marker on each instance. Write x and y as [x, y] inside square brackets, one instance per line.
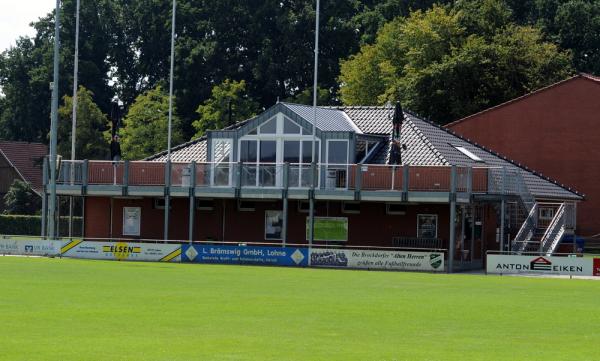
[214, 162]
[436, 223]
[468, 153]
[335, 165]
[279, 137]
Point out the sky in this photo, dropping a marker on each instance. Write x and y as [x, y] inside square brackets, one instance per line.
[15, 17]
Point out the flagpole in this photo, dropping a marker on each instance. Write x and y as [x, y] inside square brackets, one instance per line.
[314, 168]
[54, 127]
[167, 197]
[74, 121]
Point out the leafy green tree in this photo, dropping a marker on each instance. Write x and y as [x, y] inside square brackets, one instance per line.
[21, 199]
[146, 125]
[439, 69]
[324, 97]
[91, 126]
[228, 96]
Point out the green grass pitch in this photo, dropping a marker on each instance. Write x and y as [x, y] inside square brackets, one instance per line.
[63, 309]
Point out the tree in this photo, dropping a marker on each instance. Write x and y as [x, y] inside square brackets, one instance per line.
[21, 199]
[228, 104]
[146, 125]
[91, 125]
[439, 65]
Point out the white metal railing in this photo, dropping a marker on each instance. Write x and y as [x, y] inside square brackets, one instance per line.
[526, 231]
[563, 219]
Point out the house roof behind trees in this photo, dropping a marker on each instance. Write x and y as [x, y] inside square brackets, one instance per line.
[27, 159]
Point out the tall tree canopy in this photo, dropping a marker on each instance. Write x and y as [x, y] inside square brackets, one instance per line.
[125, 51]
[448, 63]
[146, 125]
[91, 125]
[228, 104]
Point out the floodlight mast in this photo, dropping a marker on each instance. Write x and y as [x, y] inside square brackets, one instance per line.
[74, 121]
[167, 196]
[314, 169]
[54, 127]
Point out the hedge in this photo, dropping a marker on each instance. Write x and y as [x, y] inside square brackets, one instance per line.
[32, 225]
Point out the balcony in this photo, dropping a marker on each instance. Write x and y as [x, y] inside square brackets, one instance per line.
[269, 180]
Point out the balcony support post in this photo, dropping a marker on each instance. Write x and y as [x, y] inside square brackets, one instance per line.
[167, 199]
[286, 174]
[405, 180]
[502, 208]
[311, 210]
[452, 240]
[44, 197]
[125, 187]
[192, 197]
[358, 181]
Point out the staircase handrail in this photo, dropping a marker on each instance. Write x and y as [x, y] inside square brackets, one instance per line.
[526, 231]
[554, 232]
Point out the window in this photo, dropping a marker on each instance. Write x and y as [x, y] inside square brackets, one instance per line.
[290, 127]
[395, 208]
[427, 226]
[159, 203]
[205, 204]
[546, 213]
[246, 205]
[248, 151]
[468, 153]
[221, 157]
[270, 126]
[291, 151]
[273, 225]
[131, 221]
[351, 207]
[337, 151]
[303, 206]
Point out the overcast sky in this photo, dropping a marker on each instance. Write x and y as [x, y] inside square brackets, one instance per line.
[15, 16]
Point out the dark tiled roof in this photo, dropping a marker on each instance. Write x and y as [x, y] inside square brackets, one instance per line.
[194, 150]
[27, 160]
[427, 144]
[370, 119]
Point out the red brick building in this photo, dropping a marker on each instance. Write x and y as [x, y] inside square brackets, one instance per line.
[251, 184]
[555, 131]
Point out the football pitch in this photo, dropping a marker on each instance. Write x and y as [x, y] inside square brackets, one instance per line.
[64, 309]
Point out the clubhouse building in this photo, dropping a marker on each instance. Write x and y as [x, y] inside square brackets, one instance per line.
[378, 178]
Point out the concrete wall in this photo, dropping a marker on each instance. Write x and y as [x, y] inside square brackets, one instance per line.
[556, 132]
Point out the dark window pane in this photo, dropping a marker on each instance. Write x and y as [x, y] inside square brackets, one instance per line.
[338, 152]
[290, 127]
[306, 153]
[269, 127]
[248, 151]
[268, 151]
[291, 151]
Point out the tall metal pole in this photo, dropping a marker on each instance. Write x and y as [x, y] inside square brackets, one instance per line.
[311, 231]
[54, 128]
[167, 196]
[74, 122]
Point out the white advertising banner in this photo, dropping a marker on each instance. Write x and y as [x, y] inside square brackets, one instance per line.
[30, 247]
[371, 259]
[123, 251]
[575, 266]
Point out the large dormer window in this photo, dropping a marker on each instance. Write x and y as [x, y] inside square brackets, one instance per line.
[265, 149]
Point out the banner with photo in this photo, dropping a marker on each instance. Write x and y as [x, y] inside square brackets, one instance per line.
[275, 256]
[29, 247]
[122, 251]
[332, 229]
[572, 266]
[384, 260]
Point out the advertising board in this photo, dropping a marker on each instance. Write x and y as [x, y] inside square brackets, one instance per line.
[372, 259]
[515, 264]
[276, 256]
[122, 251]
[29, 247]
